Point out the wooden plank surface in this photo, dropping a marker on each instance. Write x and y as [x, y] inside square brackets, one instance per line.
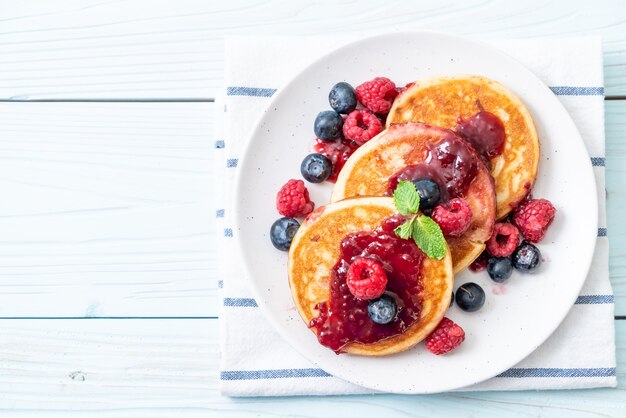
[92, 197]
[615, 118]
[174, 49]
[167, 368]
[92, 200]
[107, 209]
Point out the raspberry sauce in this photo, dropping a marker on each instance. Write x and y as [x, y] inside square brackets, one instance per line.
[485, 132]
[337, 152]
[480, 263]
[343, 318]
[450, 163]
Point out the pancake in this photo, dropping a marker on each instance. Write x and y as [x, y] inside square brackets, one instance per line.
[369, 169]
[441, 100]
[316, 249]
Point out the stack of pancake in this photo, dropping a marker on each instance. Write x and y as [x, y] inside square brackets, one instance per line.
[421, 115]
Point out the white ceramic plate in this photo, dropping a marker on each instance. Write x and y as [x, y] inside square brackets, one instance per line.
[511, 325]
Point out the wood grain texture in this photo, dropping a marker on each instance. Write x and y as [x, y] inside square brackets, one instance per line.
[165, 49]
[92, 200]
[106, 210]
[168, 368]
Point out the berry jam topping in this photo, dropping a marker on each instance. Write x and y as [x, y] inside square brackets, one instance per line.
[343, 318]
[480, 263]
[485, 132]
[450, 163]
[366, 278]
[337, 152]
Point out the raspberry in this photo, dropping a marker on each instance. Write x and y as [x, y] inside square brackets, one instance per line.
[293, 199]
[377, 94]
[337, 152]
[533, 218]
[453, 217]
[366, 278]
[446, 337]
[504, 240]
[361, 126]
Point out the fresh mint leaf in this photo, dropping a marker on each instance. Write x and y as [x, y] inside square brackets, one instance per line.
[405, 198]
[405, 230]
[428, 237]
[424, 231]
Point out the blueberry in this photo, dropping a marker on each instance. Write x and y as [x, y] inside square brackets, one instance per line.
[328, 125]
[282, 232]
[499, 269]
[342, 98]
[429, 193]
[316, 168]
[383, 309]
[526, 258]
[470, 297]
[451, 299]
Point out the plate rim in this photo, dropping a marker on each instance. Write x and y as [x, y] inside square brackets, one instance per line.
[283, 90]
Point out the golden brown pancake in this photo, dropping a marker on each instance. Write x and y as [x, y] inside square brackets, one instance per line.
[368, 170]
[316, 249]
[441, 100]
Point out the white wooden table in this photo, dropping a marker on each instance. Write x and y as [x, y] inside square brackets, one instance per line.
[107, 263]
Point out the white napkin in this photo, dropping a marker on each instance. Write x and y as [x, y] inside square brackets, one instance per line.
[257, 362]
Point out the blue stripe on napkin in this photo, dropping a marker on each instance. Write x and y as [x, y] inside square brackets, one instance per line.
[598, 161]
[594, 299]
[577, 91]
[271, 374]
[249, 91]
[513, 372]
[558, 372]
[244, 302]
[602, 232]
[232, 162]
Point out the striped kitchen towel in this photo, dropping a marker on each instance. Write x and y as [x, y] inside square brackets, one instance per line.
[255, 361]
